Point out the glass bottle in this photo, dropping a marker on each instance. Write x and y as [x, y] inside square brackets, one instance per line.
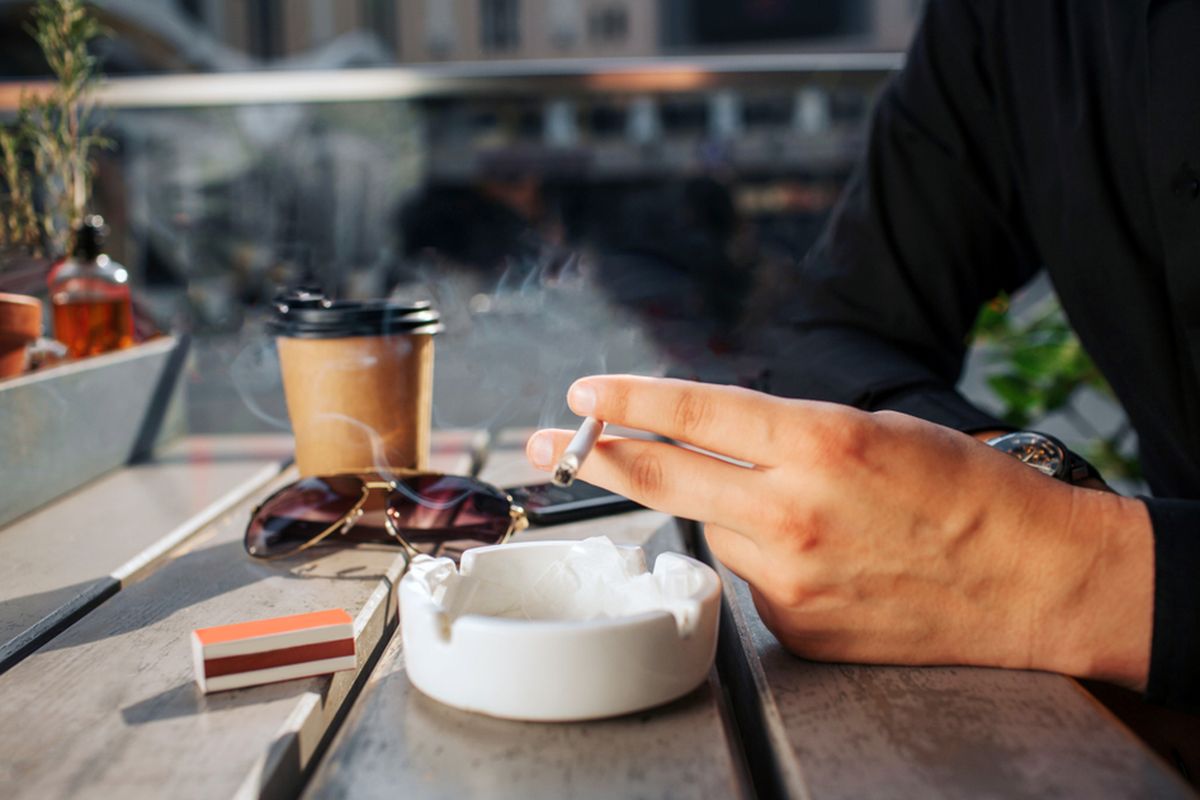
[93, 307]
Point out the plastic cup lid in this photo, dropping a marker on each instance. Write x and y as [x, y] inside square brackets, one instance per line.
[310, 316]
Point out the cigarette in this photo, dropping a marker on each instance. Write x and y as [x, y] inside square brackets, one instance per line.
[579, 448]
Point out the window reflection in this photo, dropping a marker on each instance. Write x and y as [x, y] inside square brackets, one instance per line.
[157, 36]
[580, 184]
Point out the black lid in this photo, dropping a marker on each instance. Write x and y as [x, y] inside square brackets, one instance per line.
[89, 238]
[303, 295]
[306, 315]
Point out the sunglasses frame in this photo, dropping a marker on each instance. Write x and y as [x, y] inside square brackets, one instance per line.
[518, 520]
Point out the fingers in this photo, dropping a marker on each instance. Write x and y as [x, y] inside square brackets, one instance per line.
[765, 612]
[658, 475]
[737, 552]
[728, 420]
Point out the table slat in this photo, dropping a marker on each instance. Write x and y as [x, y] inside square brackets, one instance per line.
[109, 708]
[847, 731]
[398, 743]
[64, 559]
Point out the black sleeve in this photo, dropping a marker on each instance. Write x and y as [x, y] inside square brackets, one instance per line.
[928, 228]
[1175, 650]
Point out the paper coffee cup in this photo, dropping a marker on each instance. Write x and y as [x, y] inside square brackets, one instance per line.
[358, 379]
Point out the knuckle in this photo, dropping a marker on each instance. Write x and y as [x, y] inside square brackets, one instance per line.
[856, 435]
[847, 441]
[890, 418]
[799, 526]
[776, 423]
[693, 411]
[785, 591]
[646, 475]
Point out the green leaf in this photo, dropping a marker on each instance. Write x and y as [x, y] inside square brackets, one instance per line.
[1043, 367]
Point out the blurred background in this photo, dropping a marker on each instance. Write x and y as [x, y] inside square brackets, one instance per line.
[578, 185]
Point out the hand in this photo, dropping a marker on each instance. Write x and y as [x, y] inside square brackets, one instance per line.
[882, 538]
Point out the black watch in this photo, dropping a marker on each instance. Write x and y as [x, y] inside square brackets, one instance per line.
[1047, 455]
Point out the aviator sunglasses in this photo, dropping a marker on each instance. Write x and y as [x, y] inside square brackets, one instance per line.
[424, 512]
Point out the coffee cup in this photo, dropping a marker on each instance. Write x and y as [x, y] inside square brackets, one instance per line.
[358, 380]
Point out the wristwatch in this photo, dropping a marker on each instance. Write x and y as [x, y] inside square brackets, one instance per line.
[1047, 455]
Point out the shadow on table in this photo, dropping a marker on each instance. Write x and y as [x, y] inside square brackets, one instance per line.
[187, 700]
[27, 622]
[196, 577]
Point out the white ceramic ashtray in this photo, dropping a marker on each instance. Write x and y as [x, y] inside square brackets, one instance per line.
[557, 631]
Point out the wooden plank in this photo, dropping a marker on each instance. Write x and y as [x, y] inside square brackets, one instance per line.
[109, 708]
[847, 731]
[398, 743]
[61, 561]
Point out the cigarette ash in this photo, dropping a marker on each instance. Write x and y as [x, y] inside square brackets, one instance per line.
[564, 474]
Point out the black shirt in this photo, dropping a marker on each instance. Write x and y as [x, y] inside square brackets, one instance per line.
[1024, 134]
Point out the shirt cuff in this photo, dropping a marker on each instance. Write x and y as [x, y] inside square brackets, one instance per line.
[1175, 647]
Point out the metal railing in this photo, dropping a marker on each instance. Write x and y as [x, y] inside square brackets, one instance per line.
[670, 73]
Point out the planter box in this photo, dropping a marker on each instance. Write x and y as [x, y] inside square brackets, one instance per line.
[63, 426]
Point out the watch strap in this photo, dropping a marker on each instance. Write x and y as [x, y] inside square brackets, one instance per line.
[1079, 469]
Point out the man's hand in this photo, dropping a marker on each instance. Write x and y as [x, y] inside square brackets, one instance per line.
[881, 538]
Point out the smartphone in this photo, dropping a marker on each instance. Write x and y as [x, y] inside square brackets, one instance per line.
[547, 504]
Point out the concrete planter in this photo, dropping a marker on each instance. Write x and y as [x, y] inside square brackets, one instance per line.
[63, 426]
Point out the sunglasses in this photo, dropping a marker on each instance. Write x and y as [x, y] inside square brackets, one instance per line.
[425, 512]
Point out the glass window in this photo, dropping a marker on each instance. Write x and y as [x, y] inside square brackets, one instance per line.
[609, 24]
[374, 146]
[499, 25]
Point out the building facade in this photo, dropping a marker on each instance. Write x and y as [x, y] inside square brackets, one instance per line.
[417, 31]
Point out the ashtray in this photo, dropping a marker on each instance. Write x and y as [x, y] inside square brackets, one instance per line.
[558, 630]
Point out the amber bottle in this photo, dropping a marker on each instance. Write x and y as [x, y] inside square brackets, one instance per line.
[93, 308]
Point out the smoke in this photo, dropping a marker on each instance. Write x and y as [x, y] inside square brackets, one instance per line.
[510, 351]
[256, 377]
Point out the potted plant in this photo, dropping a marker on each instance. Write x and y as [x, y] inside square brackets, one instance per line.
[20, 315]
[20, 326]
[67, 424]
[45, 170]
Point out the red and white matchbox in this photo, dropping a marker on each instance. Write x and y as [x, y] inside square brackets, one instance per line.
[270, 650]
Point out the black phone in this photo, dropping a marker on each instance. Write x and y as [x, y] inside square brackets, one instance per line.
[547, 504]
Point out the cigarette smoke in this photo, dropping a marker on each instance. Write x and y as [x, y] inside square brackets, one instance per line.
[509, 351]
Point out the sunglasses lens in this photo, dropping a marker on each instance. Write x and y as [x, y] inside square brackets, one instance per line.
[297, 514]
[446, 514]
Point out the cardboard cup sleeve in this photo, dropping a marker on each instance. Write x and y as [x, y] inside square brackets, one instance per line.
[361, 403]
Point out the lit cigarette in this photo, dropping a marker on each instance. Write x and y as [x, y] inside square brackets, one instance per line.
[577, 451]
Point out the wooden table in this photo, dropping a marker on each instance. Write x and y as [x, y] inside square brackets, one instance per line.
[99, 591]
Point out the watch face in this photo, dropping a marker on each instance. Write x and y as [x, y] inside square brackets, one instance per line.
[1038, 451]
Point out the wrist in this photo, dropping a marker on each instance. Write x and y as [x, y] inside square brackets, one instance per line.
[1099, 613]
